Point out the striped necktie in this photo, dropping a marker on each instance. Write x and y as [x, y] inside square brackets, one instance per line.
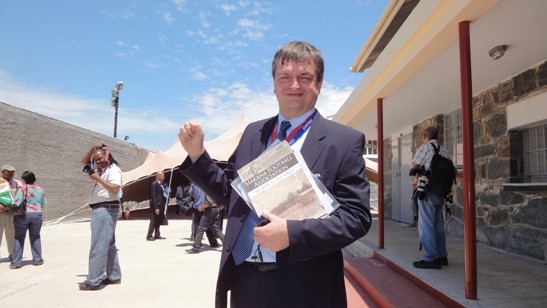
[285, 125]
[244, 242]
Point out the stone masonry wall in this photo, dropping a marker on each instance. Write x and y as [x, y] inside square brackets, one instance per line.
[53, 150]
[514, 221]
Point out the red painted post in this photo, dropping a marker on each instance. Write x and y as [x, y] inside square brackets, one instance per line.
[380, 129]
[470, 251]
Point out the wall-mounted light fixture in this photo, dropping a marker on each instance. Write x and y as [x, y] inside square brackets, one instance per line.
[497, 52]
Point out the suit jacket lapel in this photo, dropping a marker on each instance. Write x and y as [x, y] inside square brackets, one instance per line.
[260, 138]
[315, 141]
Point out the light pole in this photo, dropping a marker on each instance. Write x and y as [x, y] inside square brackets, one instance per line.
[115, 99]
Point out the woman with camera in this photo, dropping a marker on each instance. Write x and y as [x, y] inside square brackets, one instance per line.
[31, 220]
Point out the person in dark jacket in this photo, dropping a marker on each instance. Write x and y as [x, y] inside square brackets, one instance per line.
[157, 207]
[300, 262]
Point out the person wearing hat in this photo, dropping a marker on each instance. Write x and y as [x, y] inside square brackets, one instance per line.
[6, 220]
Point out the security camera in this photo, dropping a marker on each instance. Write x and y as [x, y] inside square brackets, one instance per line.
[497, 52]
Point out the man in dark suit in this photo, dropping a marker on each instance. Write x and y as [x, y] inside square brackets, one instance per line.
[299, 263]
[157, 207]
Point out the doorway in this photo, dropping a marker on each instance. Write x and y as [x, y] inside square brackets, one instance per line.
[400, 181]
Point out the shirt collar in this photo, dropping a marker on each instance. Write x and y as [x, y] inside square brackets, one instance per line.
[295, 121]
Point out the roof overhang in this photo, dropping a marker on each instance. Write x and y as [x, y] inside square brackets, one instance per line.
[417, 73]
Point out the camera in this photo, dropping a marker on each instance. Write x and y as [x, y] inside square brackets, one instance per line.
[88, 169]
[422, 181]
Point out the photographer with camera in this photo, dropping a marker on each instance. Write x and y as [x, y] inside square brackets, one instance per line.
[430, 205]
[102, 168]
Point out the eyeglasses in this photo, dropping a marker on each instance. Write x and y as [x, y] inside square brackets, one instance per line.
[302, 80]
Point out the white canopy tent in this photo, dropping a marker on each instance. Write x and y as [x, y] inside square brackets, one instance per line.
[136, 182]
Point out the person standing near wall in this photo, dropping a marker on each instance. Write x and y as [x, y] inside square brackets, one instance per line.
[6, 220]
[31, 220]
[104, 266]
[430, 206]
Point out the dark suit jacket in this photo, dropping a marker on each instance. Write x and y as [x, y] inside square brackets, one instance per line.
[310, 270]
[157, 199]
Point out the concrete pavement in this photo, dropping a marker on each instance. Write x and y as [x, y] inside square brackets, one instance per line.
[162, 274]
[158, 273]
[503, 279]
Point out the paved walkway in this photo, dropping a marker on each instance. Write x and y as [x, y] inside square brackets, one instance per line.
[155, 274]
[161, 274]
[503, 279]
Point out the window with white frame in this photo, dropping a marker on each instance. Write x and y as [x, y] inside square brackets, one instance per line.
[371, 148]
[453, 137]
[535, 153]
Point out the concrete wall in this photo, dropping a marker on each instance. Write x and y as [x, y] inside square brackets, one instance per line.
[53, 150]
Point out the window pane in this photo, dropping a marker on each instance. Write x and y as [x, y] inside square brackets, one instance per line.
[533, 163]
[533, 138]
[449, 136]
[459, 154]
[542, 163]
[541, 138]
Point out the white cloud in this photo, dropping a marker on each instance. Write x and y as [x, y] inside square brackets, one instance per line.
[252, 29]
[222, 107]
[77, 110]
[332, 98]
[198, 75]
[168, 18]
[217, 109]
[228, 8]
[180, 5]
[126, 50]
[153, 65]
[203, 19]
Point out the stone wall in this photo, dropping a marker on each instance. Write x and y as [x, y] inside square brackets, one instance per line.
[53, 150]
[514, 221]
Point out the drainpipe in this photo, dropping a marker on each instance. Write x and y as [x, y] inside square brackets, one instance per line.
[380, 129]
[470, 252]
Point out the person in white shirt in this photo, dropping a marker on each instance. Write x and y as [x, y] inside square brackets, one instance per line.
[104, 267]
[6, 220]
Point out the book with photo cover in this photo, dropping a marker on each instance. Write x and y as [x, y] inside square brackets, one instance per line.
[280, 182]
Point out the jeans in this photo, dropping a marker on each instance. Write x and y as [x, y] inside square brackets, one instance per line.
[431, 226]
[32, 222]
[103, 255]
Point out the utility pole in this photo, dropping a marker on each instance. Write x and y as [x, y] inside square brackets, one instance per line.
[115, 99]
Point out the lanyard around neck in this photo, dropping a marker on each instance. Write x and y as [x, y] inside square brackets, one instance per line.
[297, 132]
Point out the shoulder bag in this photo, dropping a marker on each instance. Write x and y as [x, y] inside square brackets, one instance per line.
[21, 208]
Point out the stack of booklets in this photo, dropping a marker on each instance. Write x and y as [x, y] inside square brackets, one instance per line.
[280, 182]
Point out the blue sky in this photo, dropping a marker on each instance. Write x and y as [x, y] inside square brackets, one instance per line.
[204, 60]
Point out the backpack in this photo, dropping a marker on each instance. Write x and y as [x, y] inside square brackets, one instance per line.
[186, 203]
[442, 174]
